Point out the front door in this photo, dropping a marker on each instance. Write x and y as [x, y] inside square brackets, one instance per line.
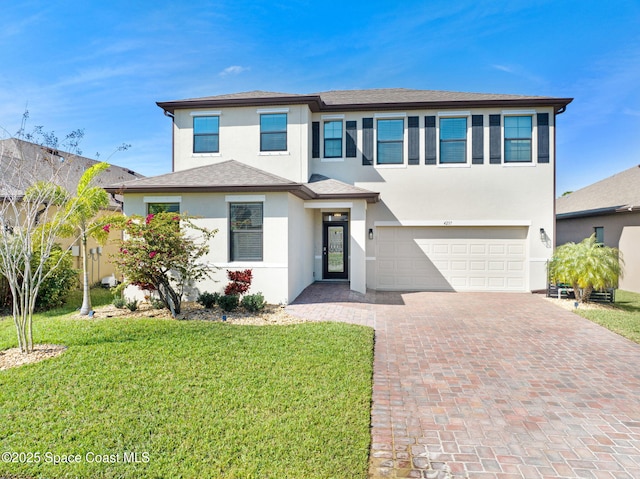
[335, 252]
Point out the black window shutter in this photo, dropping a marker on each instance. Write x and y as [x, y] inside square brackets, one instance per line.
[367, 141]
[543, 137]
[430, 140]
[495, 140]
[315, 139]
[352, 137]
[477, 139]
[413, 122]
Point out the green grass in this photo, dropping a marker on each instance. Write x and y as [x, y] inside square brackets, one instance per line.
[198, 399]
[623, 319]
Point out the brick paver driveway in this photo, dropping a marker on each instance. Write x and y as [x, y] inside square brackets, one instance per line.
[484, 385]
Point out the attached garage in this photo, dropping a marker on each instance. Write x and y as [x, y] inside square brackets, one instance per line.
[451, 258]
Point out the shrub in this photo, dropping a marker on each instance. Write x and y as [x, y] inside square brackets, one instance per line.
[119, 302]
[229, 302]
[254, 302]
[586, 266]
[132, 305]
[208, 300]
[59, 283]
[157, 303]
[240, 282]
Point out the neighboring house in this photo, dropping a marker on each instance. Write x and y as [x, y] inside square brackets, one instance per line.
[389, 189]
[610, 209]
[41, 163]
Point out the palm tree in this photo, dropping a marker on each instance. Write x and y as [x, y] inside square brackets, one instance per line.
[586, 266]
[81, 214]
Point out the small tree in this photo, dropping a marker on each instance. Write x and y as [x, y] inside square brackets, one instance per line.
[80, 212]
[159, 254]
[586, 266]
[32, 216]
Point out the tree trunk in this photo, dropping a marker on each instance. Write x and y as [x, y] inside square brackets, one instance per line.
[168, 296]
[86, 296]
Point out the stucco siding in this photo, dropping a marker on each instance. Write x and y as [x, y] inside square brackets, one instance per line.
[239, 139]
[300, 231]
[630, 250]
[270, 276]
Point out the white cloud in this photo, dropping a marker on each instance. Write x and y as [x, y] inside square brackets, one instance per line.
[233, 70]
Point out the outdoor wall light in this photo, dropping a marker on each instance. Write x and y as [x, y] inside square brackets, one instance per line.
[370, 233]
[543, 235]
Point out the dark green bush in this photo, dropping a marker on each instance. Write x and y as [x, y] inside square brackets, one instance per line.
[132, 305]
[229, 302]
[59, 283]
[208, 300]
[254, 302]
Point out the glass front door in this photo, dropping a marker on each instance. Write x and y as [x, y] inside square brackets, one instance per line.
[335, 250]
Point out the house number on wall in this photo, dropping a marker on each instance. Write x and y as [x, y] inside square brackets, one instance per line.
[448, 222]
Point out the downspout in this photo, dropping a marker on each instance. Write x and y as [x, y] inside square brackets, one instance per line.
[173, 139]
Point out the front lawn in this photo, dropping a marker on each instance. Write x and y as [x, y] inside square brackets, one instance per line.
[623, 318]
[189, 399]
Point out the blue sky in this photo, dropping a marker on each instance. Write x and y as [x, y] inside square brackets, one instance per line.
[101, 66]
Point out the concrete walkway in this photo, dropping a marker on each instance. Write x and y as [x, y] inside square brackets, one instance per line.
[484, 385]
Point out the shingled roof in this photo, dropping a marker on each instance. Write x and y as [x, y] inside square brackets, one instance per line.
[372, 99]
[620, 192]
[23, 163]
[232, 176]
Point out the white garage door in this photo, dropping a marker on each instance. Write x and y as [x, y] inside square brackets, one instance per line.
[451, 259]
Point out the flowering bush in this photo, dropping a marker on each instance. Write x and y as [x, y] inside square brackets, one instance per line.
[159, 255]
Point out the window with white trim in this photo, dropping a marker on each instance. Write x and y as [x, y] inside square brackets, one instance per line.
[273, 132]
[206, 134]
[517, 139]
[333, 139]
[453, 140]
[390, 141]
[246, 233]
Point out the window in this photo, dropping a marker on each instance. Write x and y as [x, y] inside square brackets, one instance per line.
[333, 139]
[390, 142]
[273, 132]
[245, 225]
[517, 139]
[206, 131]
[599, 232]
[155, 208]
[453, 140]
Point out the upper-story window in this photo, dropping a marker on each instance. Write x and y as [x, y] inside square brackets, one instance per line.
[206, 134]
[517, 139]
[273, 132]
[333, 139]
[390, 134]
[453, 140]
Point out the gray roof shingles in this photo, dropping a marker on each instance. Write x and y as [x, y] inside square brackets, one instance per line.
[233, 176]
[23, 163]
[381, 98]
[618, 192]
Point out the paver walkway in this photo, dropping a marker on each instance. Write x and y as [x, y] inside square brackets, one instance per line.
[484, 385]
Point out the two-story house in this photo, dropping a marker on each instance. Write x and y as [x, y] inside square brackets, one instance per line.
[389, 189]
